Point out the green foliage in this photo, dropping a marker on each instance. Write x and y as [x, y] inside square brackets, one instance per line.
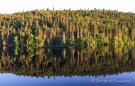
[117, 48]
[16, 41]
[30, 51]
[69, 42]
[34, 41]
[101, 39]
[83, 61]
[132, 43]
[93, 27]
[81, 44]
[41, 43]
[125, 39]
[101, 49]
[125, 30]
[125, 49]
[56, 41]
[22, 34]
[125, 57]
[16, 50]
[117, 41]
[120, 42]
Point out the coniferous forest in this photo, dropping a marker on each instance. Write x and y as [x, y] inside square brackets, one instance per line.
[80, 28]
[100, 42]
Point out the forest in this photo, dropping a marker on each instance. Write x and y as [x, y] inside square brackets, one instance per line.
[79, 28]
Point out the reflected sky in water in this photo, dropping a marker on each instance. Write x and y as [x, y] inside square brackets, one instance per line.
[8, 79]
[110, 66]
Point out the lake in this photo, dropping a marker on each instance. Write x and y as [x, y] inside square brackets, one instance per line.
[95, 66]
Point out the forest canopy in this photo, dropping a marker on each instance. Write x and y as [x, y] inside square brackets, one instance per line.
[81, 28]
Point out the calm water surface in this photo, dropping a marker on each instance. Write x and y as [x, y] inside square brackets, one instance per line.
[123, 79]
[67, 67]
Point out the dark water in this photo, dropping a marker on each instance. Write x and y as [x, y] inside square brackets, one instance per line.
[96, 66]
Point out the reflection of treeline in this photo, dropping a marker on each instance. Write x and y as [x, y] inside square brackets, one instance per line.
[82, 28]
[68, 62]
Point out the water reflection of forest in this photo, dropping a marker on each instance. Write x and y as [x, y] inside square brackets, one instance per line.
[67, 62]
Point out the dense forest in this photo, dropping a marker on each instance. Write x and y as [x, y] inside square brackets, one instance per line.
[67, 62]
[81, 28]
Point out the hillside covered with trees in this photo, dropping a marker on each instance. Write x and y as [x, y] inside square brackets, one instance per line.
[81, 28]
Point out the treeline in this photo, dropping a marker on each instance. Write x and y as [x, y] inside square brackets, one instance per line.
[65, 62]
[67, 27]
